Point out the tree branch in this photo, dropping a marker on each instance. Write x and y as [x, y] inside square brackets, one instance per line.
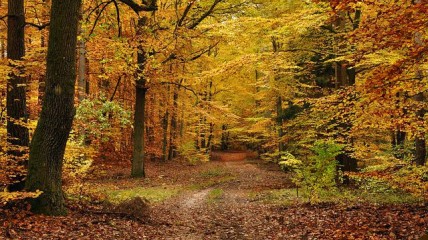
[205, 15]
[119, 26]
[39, 27]
[181, 85]
[98, 16]
[202, 52]
[309, 50]
[141, 8]
[185, 13]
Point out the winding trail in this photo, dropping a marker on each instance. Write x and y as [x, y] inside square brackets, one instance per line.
[233, 214]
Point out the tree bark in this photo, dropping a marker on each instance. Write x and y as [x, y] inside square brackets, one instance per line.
[224, 138]
[17, 132]
[420, 143]
[81, 79]
[138, 155]
[279, 122]
[173, 133]
[165, 136]
[52, 131]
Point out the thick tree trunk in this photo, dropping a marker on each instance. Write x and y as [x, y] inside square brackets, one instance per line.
[50, 137]
[18, 137]
[138, 155]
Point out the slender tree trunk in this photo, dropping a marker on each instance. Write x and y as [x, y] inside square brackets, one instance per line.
[224, 138]
[279, 122]
[165, 136]
[50, 137]
[81, 79]
[138, 155]
[173, 132]
[210, 138]
[17, 132]
[420, 144]
[398, 139]
[2, 49]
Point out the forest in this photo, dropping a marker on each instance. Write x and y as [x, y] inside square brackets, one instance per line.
[213, 119]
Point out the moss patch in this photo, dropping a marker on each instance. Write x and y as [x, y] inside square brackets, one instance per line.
[215, 195]
[346, 196]
[153, 194]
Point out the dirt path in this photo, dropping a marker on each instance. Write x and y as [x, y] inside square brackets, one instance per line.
[226, 210]
[232, 210]
[223, 200]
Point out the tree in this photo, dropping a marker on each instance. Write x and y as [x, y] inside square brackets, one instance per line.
[52, 131]
[18, 137]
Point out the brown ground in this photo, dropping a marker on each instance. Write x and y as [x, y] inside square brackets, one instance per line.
[233, 214]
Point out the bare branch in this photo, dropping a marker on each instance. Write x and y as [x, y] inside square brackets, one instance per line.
[309, 50]
[39, 27]
[95, 8]
[205, 15]
[181, 85]
[119, 25]
[140, 8]
[202, 52]
[98, 17]
[185, 13]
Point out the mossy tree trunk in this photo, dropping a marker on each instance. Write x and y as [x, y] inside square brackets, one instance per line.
[52, 131]
[17, 132]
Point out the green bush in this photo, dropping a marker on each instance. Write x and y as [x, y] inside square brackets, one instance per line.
[289, 162]
[191, 154]
[319, 172]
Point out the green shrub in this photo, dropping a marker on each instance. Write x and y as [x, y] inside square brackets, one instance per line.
[289, 162]
[319, 172]
[188, 151]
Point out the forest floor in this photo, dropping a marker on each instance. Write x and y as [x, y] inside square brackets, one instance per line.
[229, 199]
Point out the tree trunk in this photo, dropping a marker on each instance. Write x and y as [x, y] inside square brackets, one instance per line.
[279, 121]
[420, 144]
[138, 155]
[52, 131]
[81, 79]
[224, 138]
[398, 139]
[17, 132]
[173, 133]
[42, 77]
[165, 135]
